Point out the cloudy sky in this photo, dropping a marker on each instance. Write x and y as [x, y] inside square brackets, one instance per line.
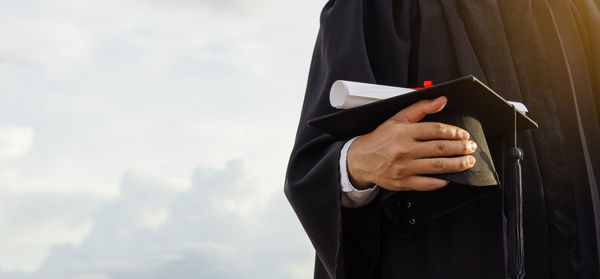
[149, 138]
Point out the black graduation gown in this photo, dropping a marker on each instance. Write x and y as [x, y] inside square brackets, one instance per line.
[511, 46]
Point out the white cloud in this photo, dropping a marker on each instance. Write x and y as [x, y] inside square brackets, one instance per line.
[195, 239]
[26, 249]
[15, 141]
[155, 218]
[14, 184]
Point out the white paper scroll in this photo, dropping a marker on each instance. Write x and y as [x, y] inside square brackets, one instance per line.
[348, 94]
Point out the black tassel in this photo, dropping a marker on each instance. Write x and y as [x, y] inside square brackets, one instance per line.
[514, 192]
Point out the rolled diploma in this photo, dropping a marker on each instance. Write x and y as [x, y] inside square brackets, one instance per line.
[349, 94]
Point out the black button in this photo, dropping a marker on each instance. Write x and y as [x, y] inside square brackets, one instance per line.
[412, 221]
[405, 204]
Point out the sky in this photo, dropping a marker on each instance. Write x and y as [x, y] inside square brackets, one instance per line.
[149, 139]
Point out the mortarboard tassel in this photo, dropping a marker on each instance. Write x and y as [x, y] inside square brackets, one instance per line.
[514, 194]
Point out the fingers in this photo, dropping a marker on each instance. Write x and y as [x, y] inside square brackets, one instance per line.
[443, 148]
[415, 112]
[434, 130]
[417, 183]
[400, 181]
[442, 165]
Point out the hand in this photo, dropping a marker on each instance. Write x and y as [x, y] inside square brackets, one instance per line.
[397, 154]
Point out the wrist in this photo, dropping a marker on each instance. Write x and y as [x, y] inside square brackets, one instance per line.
[357, 176]
[360, 185]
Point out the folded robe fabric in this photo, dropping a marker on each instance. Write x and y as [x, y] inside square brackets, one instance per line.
[513, 46]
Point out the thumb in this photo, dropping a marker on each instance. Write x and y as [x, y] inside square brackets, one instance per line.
[415, 112]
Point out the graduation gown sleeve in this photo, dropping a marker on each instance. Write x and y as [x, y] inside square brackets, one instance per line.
[312, 181]
[313, 177]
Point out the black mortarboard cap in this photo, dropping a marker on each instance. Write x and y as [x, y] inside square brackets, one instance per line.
[472, 106]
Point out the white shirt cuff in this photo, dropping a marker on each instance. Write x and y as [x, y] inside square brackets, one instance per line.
[352, 197]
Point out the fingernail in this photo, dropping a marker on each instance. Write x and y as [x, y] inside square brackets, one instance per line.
[473, 145]
[464, 134]
[471, 160]
[440, 99]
